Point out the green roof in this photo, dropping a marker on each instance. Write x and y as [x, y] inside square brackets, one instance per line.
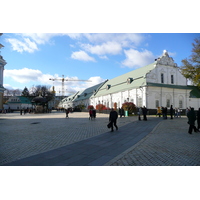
[138, 78]
[23, 100]
[87, 93]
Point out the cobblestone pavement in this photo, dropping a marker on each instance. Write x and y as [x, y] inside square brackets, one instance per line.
[22, 136]
[169, 144]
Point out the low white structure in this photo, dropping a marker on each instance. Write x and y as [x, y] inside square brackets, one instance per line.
[18, 102]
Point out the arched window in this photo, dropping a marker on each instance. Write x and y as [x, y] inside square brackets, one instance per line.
[157, 103]
[168, 103]
[180, 103]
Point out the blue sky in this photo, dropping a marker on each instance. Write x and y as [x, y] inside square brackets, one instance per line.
[34, 58]
[105, 40]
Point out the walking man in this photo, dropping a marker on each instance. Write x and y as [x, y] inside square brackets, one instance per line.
[171, 111]
[113, 119]
[67, 113]
[191, 121]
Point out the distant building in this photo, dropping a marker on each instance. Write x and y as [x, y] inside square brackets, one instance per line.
[2, 89]
[18, 102]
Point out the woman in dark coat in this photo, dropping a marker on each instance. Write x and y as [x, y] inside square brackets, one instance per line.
[191, 121]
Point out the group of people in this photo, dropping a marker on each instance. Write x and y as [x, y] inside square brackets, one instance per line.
[142, 111]
[192, 117]
[114, 115]
[92, 114]
[174, 112]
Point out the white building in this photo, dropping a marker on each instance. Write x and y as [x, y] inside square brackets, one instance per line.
[19, 102]
[2, 89]
[158, 84]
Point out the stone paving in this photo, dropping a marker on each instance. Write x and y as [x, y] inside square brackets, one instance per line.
[168, 144]
[22, 136]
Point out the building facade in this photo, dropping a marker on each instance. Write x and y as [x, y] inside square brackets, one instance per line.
[18, 102]
[2, 89]
[2, 64]
[158, 84]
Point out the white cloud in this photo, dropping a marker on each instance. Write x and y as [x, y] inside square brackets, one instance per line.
[135, 59]
[95, 80]
[112, 48]
[36, 77]
[26, 45]
[82, 55]
[40, 38]
[26, 75]
[122, 38]
[79, 86]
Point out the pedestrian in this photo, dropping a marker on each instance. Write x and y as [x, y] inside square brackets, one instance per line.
[191, 121]
[179, 112]
[20, 111]
[90, 114]
[198, 119]
[159, 112]
[176, 112]
[144, 111]
[120, 112]
[139, 113]
[186, 111]
[113, 119]
[94, 113]
[67, 113]
[164, 113]
[171, 111]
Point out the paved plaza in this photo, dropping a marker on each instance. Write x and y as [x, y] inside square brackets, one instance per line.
[52, 140]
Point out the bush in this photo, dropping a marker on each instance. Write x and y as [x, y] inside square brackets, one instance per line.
[130, 107]
[100, 107]
[90, 107]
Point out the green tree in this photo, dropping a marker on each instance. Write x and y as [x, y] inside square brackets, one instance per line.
[25, 92]
[41, 90]
[190, 68]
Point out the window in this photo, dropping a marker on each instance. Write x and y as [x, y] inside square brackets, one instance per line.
[168, 102]
[157, 103]
[172, 79]
[162, 78]
[108, 87]
[129, 80]
[180, 104]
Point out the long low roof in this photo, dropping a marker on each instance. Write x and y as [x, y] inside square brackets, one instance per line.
[130, 80]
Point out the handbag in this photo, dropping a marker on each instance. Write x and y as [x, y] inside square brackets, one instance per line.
[109, 125]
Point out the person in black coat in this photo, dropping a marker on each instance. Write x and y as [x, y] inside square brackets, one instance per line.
[144, 111]
[198, 119]
[191, 121]
[113, 119]
[171, 112]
